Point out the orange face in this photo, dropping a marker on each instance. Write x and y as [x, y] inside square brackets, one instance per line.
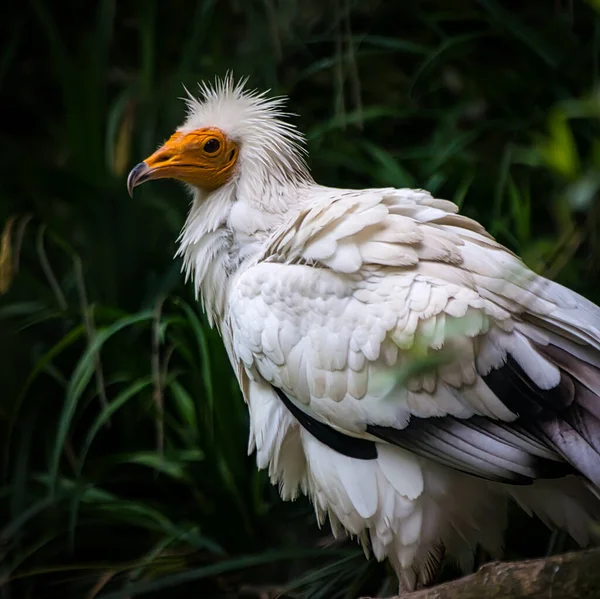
[204, 158]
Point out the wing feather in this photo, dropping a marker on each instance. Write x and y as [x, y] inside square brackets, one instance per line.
[352, 295]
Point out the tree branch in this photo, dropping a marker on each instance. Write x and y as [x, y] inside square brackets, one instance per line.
[569, 576]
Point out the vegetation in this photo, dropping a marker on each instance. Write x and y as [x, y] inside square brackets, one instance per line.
[122, 433]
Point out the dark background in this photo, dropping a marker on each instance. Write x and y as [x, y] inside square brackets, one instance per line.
[122, 433]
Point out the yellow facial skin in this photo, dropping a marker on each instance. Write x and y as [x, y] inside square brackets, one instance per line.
[204, 158]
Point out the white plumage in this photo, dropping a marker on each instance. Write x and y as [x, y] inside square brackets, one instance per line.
[328, 300]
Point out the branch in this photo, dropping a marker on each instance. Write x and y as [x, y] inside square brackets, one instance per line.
[569, 576]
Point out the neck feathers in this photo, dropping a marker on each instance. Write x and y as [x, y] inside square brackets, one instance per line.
[228, 226]
[223, 230]
[205, 244]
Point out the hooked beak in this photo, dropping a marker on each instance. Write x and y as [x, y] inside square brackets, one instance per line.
[139, 174]
[171, 161]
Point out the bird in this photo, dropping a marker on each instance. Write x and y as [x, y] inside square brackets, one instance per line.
[402, 369]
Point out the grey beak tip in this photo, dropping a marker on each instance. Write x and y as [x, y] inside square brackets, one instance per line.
[139, 174]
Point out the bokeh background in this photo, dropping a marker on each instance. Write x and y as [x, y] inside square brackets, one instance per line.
[123, 437]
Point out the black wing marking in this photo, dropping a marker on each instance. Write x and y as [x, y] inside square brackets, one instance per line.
[477, 446]
[362, 449]
[557, 432]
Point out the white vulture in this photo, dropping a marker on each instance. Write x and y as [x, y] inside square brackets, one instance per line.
[401, 368]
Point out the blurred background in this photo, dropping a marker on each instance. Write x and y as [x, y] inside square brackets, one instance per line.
[123, 435]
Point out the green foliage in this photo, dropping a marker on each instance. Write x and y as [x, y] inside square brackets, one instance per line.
[123, 434]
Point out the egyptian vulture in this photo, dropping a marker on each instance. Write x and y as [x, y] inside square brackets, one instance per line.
[401, 368]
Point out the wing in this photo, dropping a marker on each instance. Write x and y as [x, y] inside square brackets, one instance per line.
[382, 315]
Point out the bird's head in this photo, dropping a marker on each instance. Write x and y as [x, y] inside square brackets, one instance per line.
[231, 138]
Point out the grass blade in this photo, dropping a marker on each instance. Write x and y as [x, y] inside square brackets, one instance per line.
[79, 381]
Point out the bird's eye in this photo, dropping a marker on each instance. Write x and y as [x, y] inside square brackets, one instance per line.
[212, 146]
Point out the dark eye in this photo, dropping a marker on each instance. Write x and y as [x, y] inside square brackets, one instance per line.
[212, 146]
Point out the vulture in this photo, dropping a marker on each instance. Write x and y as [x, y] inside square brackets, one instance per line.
[401, 368]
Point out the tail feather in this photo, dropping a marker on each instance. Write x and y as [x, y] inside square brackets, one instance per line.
[571, 445]
[568, 504]
[586, 424]
[588, 400]
[574, 432]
